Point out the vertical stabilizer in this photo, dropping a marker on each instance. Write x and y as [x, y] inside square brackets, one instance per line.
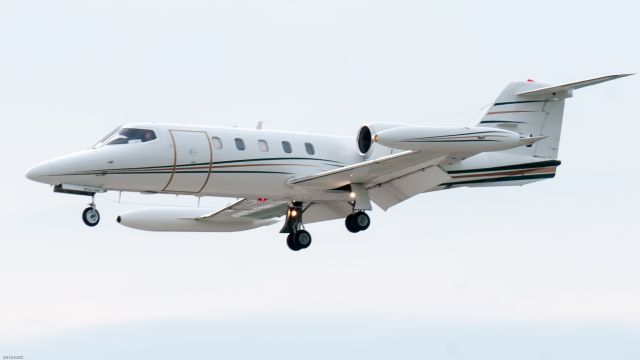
[535, 110]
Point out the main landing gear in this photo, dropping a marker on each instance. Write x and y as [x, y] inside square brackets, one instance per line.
[299, 240]
[298, 237]
[357, 221]
[90, 215]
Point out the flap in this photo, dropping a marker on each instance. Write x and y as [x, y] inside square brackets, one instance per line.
[402, 188]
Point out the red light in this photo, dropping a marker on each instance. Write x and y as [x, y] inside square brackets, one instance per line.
[529, 80]
[261, 200]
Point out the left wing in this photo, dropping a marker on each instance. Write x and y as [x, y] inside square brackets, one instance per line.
[255, 211]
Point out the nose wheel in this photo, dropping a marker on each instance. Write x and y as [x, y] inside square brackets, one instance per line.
[90, 215]
[358, 221]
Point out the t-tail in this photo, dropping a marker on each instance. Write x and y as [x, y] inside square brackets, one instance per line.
[535, 110]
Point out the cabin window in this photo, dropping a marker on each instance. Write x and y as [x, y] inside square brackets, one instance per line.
[309, 148]
[240, 144]
[216, 142]
[286, 146]
[131, 136]
[263, 145]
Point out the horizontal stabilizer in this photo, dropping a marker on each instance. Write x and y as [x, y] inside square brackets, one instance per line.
[558, 89]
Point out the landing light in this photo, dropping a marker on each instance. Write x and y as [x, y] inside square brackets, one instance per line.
[294, 213]
[352, 195]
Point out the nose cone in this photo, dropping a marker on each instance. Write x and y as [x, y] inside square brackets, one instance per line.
[40, 173]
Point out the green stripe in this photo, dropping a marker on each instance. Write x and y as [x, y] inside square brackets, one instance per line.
[509, 167]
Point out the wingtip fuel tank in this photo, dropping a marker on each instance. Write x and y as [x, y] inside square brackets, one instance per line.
[185, 219]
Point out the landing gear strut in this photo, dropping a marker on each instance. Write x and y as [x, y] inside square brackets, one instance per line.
[357, 221]
[298, 237]
[90, 215]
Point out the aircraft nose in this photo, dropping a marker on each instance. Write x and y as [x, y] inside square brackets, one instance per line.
[40, 173]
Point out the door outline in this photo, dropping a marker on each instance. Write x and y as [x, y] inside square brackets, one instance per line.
[175, 159]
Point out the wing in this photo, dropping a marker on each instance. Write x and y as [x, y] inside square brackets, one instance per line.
[390, 179]
[249, 210]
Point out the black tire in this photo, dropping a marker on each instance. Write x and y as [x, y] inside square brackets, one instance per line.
[350, 224]
[91, 216]
[302, 239]
[292, 244]
[361, 220]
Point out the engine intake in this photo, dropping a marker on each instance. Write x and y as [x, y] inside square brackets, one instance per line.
[364, 140]
[366, 133]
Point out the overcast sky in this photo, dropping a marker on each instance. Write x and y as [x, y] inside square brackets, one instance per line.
[549, 270]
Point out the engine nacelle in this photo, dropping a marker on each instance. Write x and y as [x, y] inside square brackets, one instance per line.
[448, 139]
[365, 135]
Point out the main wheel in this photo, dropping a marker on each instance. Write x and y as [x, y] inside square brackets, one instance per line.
[351, 224]
[91, 216]
[361, 220]
[302, 239]
[292, 244]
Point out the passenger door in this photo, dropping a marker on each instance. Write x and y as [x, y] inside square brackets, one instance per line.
[192, 157]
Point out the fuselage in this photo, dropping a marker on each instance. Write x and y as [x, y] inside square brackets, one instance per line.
[248, 163]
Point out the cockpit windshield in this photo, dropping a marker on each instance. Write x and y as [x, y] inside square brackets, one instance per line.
[127, 136]
[130, 136]
[102, 141]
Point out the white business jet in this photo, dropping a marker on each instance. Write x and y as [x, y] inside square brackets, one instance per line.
[310, 177]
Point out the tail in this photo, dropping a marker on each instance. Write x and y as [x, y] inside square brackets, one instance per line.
[535, 110]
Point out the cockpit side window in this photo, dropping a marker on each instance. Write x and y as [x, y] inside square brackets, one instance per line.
[131, 136]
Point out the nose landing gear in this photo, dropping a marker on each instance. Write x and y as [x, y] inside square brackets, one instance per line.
[90, 215]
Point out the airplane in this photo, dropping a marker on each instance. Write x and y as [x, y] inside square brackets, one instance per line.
[308, 178]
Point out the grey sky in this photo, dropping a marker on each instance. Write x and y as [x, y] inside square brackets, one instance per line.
[456, 274]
